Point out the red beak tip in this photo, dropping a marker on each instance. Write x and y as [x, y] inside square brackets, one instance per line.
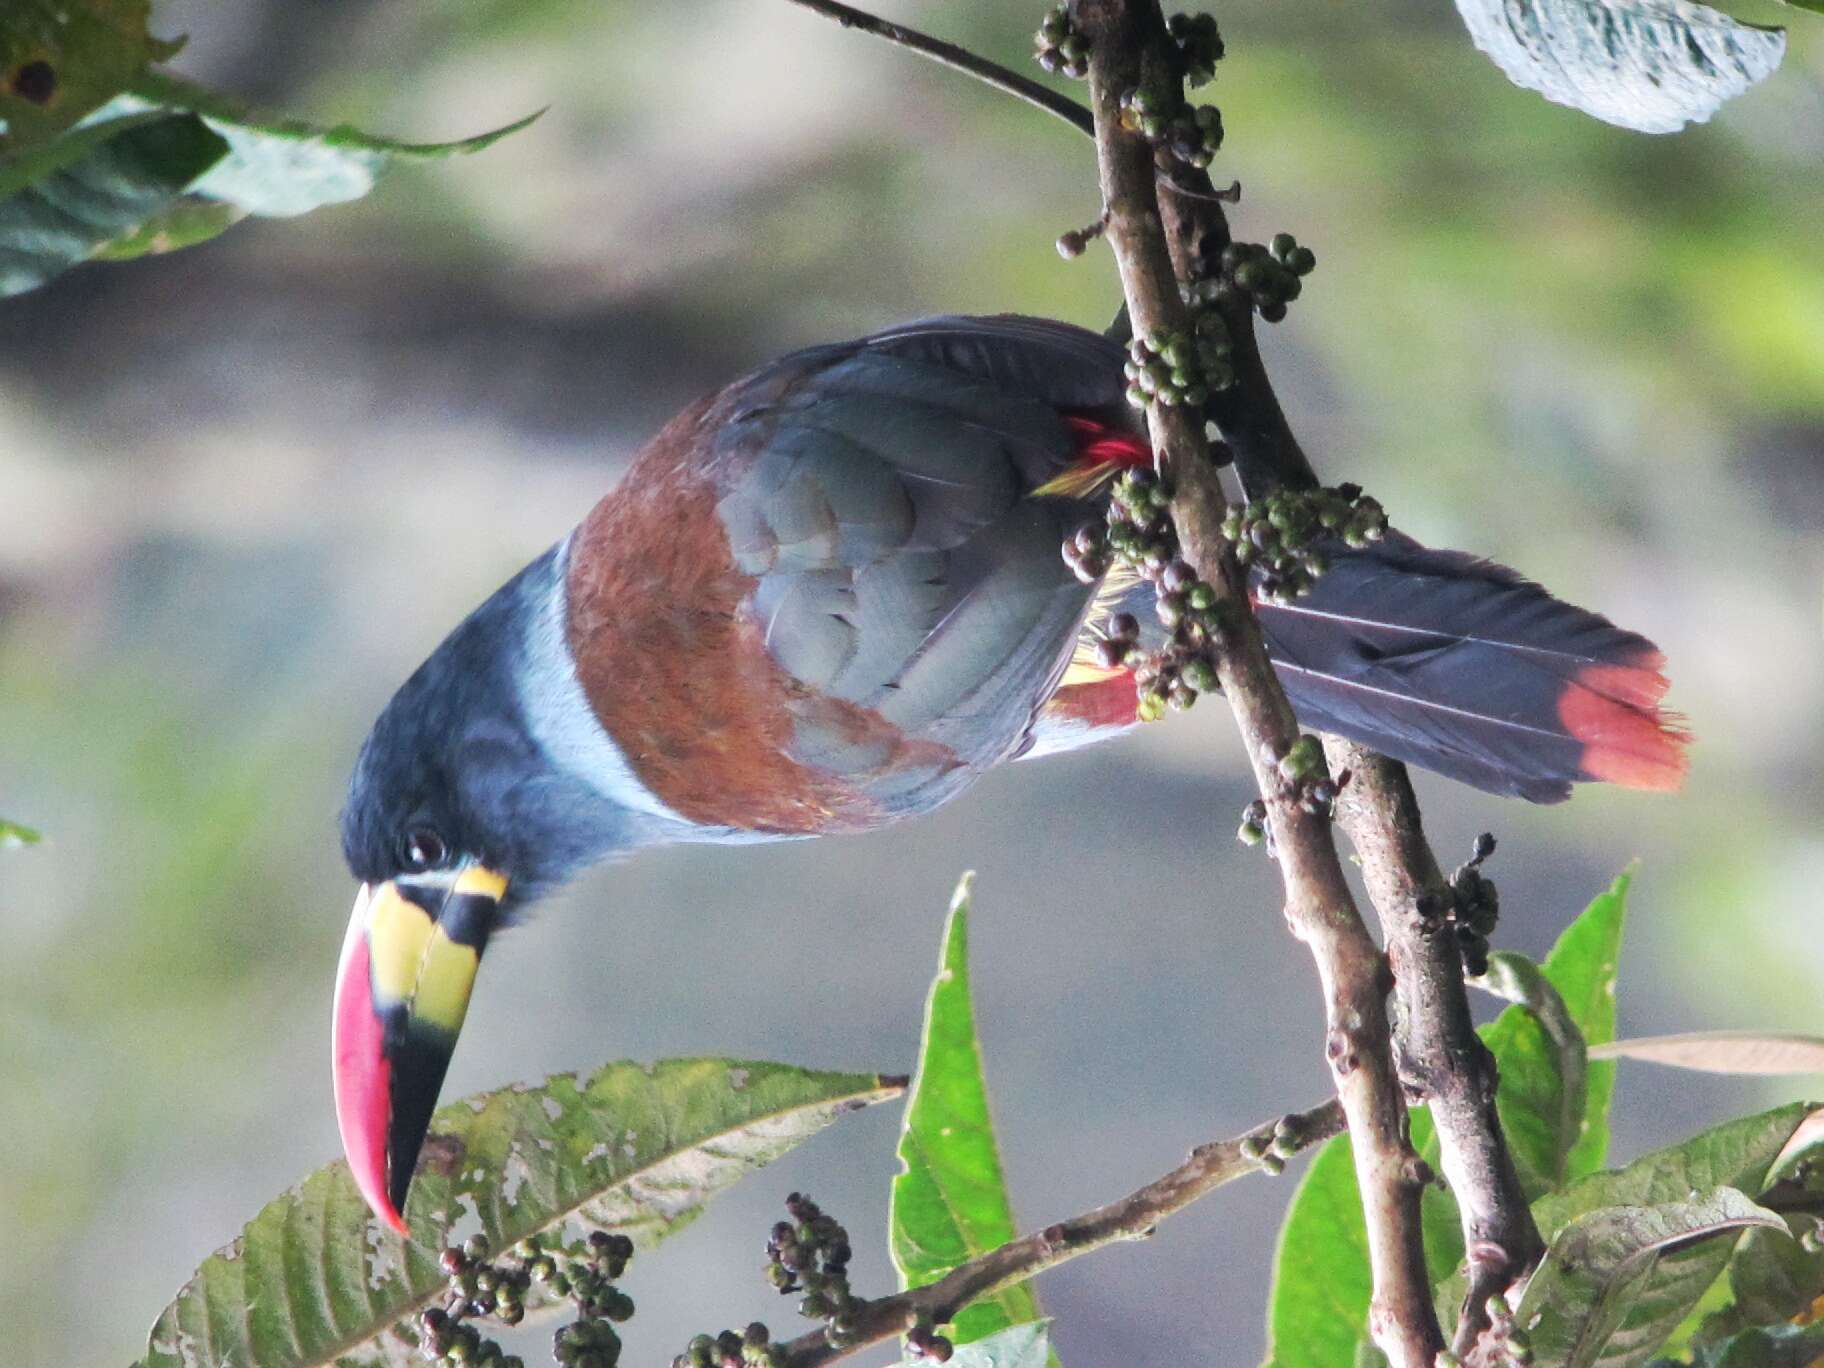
[394, 1220]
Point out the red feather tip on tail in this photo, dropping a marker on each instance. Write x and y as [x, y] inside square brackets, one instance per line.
[1613, 710]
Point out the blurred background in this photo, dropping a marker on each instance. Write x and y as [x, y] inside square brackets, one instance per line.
[245, 488]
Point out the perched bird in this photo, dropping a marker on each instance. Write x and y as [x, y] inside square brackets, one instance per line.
[830, 596]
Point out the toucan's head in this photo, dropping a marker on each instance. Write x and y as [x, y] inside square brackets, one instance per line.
[455, 819]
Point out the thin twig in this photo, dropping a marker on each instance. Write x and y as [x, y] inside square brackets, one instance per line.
[1127, 38]
[1133, 1217]
[961, 59]
[1441, 1056]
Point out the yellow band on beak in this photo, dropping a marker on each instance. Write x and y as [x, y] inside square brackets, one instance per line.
[413, 960]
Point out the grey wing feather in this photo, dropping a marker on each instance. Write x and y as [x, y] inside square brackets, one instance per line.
[883, 503]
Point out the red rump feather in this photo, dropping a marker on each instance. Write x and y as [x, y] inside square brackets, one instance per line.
[1105, 445]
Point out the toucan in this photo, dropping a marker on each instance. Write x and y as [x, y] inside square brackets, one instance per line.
[830, 596]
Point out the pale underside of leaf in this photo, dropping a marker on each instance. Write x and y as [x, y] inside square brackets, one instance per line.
[314, 1280]
[1649, 65]
[1729, 1052]
[1616, 1281]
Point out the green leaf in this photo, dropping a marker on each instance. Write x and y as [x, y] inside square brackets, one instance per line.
[166, 164]
[1769, 1278]
[950, 1202]
[60, 59]
[1616, 1282]
[61, 203]
[1773, 1346]
[314, 1279]
[1321, 1277]
[1553, 1104]
[1737, 1154]
[1318, 1309]
[1743, 1154]
[1650, 65]
[12, 834]
[280, 168]
[1018, 1346]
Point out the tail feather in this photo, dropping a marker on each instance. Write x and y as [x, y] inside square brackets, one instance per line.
[1462, 666]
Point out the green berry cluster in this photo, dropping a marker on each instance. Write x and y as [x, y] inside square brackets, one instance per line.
[751, 1348]
[1282, 535]
[1303, 778]
[1161, 115]
[1504, 1344]
[1174, 368]
[1060, 47]
[1201, 43]
[1264, 278]
[810, 1254]
[1271, 1150]
[1469, 908]
[1138, 533]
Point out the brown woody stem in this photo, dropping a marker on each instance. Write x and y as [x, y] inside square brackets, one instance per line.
[1128, 41]
[1441, 1056]
[1133, 1217]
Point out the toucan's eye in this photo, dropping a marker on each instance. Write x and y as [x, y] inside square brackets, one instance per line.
[424, 848]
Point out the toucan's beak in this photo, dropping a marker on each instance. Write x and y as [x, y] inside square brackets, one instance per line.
[402, 991]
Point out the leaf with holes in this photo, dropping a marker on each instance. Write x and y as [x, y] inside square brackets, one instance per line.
[61, 59]
[1650, 65]
[314, 1279]
[1616, 1281]
[950, 1202]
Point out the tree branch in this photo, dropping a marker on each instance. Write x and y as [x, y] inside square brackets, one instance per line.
[1133, 1217]
[1440, 1053]
[1127, 38]
[960, 59]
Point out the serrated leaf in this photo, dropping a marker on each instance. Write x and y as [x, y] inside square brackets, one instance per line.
[1728, 1052]
[950, 1202]
[314, 1279]
[1018, 1346]
[1649, 65]
[12, 835]
[60, 59]
[1615, 1282]
[60, 203]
